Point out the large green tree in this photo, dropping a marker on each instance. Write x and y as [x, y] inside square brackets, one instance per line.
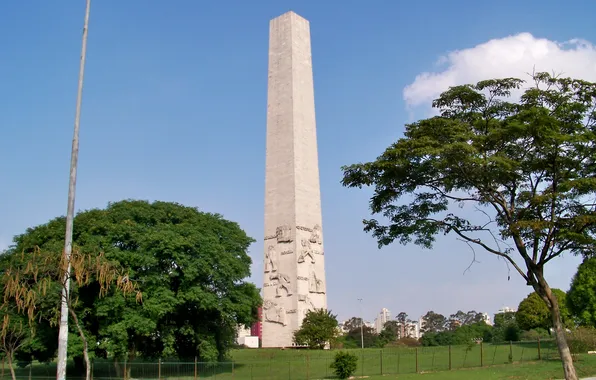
[581, 298]
[527, 166]
[190, 265]
[318, 328]
[532, 312]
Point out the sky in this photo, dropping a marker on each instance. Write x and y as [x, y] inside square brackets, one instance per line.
[174, 109]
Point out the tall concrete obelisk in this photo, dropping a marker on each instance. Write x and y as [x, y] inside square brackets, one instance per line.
[294, 279]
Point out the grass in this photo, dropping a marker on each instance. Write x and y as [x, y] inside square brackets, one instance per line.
[484, 362]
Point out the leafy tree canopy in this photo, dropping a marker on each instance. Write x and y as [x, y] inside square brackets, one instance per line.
[318, 328]
[433, 322]
[528, 167]
[532, 312]
[581, 298]
[190, 265]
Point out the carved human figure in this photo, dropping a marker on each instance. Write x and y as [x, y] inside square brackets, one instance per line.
[284, 234]
[315, 285]
[306, 251]
[306, 299]
[270, 259]
[283, 283]
[315, 235]
[273, 313]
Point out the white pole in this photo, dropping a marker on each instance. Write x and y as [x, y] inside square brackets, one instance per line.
[361, 324]
[63, 332]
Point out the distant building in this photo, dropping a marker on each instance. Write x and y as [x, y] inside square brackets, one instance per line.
[382, 318]
[486, 318]
[409, 330]
[506, 309]
[256, 328]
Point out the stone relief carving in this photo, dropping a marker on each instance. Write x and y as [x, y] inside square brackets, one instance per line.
[271, 259]
[283, 283]
[315, 285]
[315, 236]
[304, 228]
[284, 234]
[274, 313]
[306, 299]
[306, 251]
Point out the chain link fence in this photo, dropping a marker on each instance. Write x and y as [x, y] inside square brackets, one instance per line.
[270, 364]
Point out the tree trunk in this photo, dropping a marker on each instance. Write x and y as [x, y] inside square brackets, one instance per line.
[9, 358]
[85, 344]
[546, 293]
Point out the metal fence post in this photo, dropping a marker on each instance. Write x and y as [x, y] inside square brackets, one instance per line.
[398, 357]
[511, 351]
[362, 358]
[159, 369]
[481, 355]
[416, 359]
[307, 365]
[196, 369]
[381, 352]
[450, 357]
[539, 353]
[289, 369]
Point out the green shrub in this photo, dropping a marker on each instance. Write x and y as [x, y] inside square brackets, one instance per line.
[582, 340]
[344, 364]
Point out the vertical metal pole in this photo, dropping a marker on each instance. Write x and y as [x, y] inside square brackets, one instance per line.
[481, 355]
[539, 353]
[450, 357]
[511, 350]
[63, 331]
[381, 352]
[416, 359]
[159, 369]
[307, 366]
[195, 368]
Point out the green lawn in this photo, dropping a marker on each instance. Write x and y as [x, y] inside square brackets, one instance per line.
[484, 362]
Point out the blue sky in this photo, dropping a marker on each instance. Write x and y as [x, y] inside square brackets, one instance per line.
[174, 109]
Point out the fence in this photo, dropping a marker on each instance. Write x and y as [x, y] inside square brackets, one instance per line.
[272, 364]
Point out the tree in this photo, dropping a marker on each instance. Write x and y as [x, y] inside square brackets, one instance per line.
[191, 267]
[528, 167]
[505, 327]
[532, 312]
[34, 276]
[504, 319]
[433, 322]
[318, 328]
[370, 338]
[580, 298]
[14, 334]
[353, 323]
[389, 333]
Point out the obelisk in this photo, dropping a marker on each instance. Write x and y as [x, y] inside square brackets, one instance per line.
[294, 278]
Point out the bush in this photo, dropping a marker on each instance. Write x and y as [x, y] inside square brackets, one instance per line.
[405, 342]
[344, 364]
[582, 340]
[534, 335]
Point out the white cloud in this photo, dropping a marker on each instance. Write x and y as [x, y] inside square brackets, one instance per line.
[512, 56]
